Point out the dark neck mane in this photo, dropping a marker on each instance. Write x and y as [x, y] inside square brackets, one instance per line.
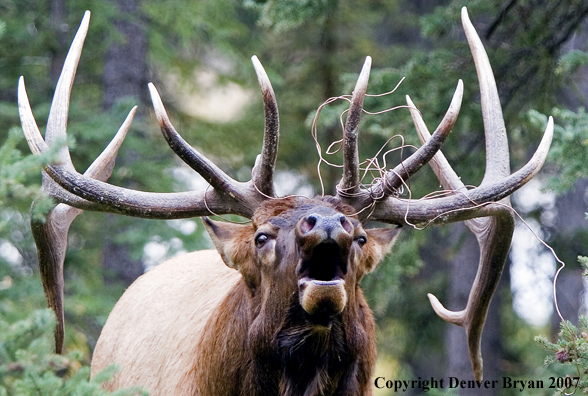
[313, 356]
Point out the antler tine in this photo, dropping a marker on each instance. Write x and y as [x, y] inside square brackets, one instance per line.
[478, 202]
[239, 198]
[451, 181]
[102, 167]
[209, 171]
[51, 239]
[57, 121]
[349, 184]
[497, 156]
[89, 194]
[29, 126]
[37, 146]
[263, 172]
[444, 172]
[394, 179]
[89, 191]
[51, 234]
[262, 176]
[494, 235]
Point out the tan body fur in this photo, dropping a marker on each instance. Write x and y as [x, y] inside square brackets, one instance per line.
[152, 351]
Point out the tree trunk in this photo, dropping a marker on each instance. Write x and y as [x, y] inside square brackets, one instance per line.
[57, 10]
[125, 62]
[125, 75]
[326, 68]
[570, 242]
[570, 285]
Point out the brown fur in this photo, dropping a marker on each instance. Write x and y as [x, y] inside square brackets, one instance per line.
[193, 326]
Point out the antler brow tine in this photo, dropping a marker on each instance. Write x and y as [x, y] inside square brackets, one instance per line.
[51, 235]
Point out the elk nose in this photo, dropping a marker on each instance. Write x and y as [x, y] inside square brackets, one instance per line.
[329, 226]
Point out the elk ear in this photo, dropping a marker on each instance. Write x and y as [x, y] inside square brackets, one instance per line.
[380, 241]
[230, 240]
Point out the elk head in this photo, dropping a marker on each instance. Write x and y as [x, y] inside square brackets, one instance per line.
[324, 265]
[336, 234]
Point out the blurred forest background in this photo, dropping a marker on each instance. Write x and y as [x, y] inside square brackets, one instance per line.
[197, 54]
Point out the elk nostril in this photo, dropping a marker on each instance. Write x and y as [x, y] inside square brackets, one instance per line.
[308, 223]
[346, 224]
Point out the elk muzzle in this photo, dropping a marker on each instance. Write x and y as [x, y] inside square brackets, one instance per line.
[325, 242]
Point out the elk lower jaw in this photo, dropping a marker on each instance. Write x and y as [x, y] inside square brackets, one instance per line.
[322, 298]
[321, 284]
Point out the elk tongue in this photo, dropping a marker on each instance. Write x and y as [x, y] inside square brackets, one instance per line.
[322, 298]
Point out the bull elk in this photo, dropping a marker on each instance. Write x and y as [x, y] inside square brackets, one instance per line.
[284, 314]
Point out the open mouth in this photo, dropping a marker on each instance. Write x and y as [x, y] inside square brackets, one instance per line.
[321, 283]
[325, 265]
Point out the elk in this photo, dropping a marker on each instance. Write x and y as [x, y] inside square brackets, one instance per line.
[277, 308]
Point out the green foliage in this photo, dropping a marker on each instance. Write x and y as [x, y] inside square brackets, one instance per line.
[382, 287]
[571, 62]
[27, 366]
[570, 353]
[583, 260]
[571, 349]
[15, 175]
[183, 32]
[435, 24]
[284, 15]
[569, 150]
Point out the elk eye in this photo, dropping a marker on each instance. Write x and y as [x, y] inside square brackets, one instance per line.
[361, 240]
[260, 240]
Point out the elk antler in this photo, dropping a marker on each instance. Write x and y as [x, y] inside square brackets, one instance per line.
[485, 209]
[76, 192]
[349, 187]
